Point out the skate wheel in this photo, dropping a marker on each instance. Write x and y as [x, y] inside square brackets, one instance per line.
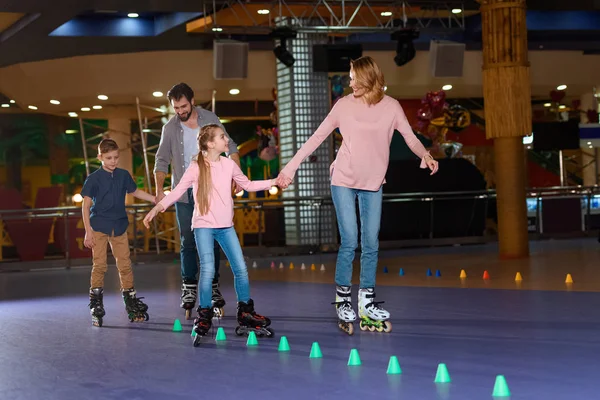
[147, 317]
[97, 322]
[387, 326]
[188, 314]
[372, 328]
[239, 331]
[363, 326]
[347, 327]
[196, 340]
[218, 312]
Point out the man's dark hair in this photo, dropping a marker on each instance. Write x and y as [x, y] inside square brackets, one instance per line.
[180, 90]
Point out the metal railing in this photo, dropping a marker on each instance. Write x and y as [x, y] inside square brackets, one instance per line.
[589, 197]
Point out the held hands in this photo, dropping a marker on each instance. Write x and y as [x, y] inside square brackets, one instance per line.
[431, 163]
[150, 216]
[283, 181]
[159, 196]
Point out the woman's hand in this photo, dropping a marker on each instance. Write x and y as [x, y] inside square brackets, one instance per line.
[431, 163]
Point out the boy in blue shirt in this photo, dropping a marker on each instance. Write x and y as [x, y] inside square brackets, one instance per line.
[105, 221]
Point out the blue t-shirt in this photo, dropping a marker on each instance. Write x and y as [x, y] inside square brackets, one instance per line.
[107, 191]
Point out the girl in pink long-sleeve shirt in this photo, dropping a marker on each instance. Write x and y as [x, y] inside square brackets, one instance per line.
[210, 178]
[367, 120]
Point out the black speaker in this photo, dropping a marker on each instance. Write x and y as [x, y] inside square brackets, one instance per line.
[335, 57]
[555, 135]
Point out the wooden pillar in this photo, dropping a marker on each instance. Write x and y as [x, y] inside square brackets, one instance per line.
[507, 98]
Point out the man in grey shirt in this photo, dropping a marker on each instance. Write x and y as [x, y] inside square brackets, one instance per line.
[178, 145]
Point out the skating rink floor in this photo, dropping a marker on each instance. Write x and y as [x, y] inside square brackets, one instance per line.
[542, 334]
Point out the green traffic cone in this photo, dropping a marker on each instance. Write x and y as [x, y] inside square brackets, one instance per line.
[315, 351]
[501, 387]
[252, 341]
[193, 333]
[394, 366]
[354, 358]
[221, 334]
[283, 344]
[177, 326]
[442, 375]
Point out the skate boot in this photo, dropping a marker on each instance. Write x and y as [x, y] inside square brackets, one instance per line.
[189, 293]
[343, 306]
[96, 306]
[218, 302]
[135, 307]
[372, 316]
[202, 324]
[249, 321]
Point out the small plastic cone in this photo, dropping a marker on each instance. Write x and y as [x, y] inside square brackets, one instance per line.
[354, 358]
[322, 267]
[569, 279]
[518, 277]
[280, 265]
[486, 275]
[303, 267]
[283, 344]
[442, 375]
[291, 265]
[272, 264]
[394, 366]
[221, 334]
[429, 272]
[401, 272]
[501, 387]
[313, 267]
[385, 270]
[252, 341]
[463, 274]
[254, 265]
[177, 326]
[438, 273]
[315, 351]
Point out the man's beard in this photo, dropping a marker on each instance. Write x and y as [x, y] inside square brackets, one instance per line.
[186, 117]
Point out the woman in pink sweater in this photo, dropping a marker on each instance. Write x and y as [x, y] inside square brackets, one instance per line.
[367, 120]
[210, 179]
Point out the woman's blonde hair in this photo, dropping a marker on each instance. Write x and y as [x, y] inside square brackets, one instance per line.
[207, 133]
[368, 77]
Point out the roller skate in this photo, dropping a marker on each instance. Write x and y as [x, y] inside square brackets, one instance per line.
[249, 321]
[372, 316]
[343, 306]
[202, 324]
[96, 306]
[189, 293]
[218, 302]
[135, 307]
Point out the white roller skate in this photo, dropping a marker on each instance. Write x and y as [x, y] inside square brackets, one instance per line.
[189, 293]
[343, 306]
[372, 316]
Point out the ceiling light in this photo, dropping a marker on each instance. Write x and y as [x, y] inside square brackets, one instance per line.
[77, 198]
[561, 87]
[263, 12]
[85, 109]
[385, 88]
[234, 92]
[32, 107]
[217, 29]
[71, 131]
[547, 104]
[12, 102]
[274, 190]
[240, 193]
[72, 114]
[589, 143]
[5, 105]
[562, 107]
[456, 11]
[55, 102]
[386, 14]
[102, 97]
[447, 87]
[157, 94]
[133, 15]
[97, 107]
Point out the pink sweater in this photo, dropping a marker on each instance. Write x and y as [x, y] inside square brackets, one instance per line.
[220, 214]
[363, 159]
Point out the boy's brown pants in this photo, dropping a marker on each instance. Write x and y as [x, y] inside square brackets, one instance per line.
[120, 249]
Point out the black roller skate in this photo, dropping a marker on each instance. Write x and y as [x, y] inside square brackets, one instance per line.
[96, 306]
[189, 293]
[202, 325]
[250, 321]
[135, 307]
[218, 302]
